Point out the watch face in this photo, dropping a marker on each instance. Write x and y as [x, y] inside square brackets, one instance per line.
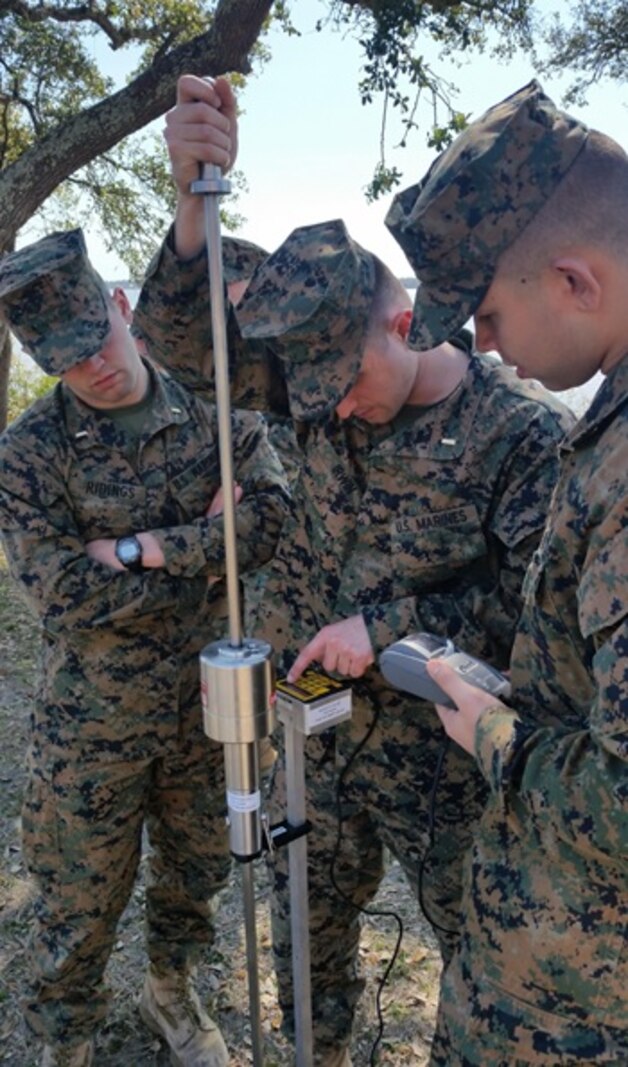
[129, 551]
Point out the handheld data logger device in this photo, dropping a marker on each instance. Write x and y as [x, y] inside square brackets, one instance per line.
[313, 703]
[403, 665]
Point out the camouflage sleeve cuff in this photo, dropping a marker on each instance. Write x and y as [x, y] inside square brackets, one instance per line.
[389, 622]
[190, 271]
[500, 743]
[191, 550]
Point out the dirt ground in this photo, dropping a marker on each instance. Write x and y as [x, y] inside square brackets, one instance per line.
[408, 998]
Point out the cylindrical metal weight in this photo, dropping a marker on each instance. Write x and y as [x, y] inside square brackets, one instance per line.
[238, 695]
[244, 801]
[238, 691]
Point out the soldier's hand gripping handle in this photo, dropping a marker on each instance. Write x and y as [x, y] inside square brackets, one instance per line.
[201, 128]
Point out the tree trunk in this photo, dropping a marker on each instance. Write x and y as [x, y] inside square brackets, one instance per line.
[6, 346]
[5, 368]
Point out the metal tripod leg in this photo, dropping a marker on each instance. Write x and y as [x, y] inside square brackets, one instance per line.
[299, 909]
[314, 703]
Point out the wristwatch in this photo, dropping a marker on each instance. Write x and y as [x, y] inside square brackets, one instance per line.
[129, 551]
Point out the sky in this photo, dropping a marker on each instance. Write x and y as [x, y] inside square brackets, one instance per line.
[308, 146]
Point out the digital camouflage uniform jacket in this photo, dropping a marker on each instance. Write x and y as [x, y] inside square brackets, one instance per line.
[172, 315]
[547, 911]
[120, 650]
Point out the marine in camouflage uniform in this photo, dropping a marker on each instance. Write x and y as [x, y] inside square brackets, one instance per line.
[541, 972]
[180, 313]
[426, 522]
[116, 731]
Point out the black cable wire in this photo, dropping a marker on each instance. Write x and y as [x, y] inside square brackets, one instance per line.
[381, 913]
[431, 822]
[375, 912]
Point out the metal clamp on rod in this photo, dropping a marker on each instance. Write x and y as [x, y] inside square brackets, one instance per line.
[211, 181]
[284, 832]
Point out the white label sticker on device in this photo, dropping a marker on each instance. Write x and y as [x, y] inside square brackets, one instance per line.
[317, 716]
[243, 802]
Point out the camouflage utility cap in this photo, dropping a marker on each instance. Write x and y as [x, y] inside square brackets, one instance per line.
[54, 301]
[475, 200]
[240, 258]
[313, 297]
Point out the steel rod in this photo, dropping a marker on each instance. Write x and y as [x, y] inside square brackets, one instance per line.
[211, 211]
[211, 185]
[252, 966]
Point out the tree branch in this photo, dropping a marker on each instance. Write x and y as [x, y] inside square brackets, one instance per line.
[80, 13]
[224, 48]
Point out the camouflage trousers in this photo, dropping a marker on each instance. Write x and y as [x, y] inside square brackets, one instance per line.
[382, 801]
[82, 838]
[480, 1024]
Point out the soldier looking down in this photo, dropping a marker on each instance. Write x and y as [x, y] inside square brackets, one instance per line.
[541, 971]
[110, 520]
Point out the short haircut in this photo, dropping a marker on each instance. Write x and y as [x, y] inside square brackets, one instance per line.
[389, 294]
[589, 206]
